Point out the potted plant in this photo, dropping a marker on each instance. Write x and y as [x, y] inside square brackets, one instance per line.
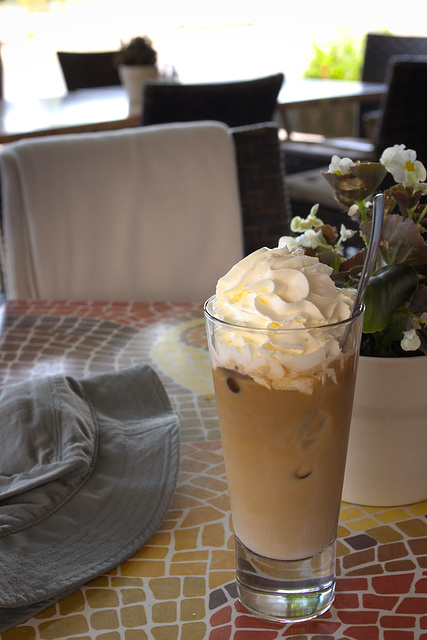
[387, 454]
[137, 63]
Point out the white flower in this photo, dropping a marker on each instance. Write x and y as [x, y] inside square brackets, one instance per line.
[403, 165]
[288, 241]
[299, 224]
[353, 210]
[345, 234]
[392, 156]
[410, 341]
[309, 239]
[340, 166]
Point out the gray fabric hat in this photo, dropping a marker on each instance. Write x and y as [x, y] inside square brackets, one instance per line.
[87, 472]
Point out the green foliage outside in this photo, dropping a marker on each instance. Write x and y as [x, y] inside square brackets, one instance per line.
[340, 61]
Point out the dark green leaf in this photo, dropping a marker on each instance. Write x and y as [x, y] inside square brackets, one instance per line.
[387, 290]
[386, 343]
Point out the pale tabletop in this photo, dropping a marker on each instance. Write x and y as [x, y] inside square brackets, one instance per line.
[108, 107]
[181, 584]
[309, 91]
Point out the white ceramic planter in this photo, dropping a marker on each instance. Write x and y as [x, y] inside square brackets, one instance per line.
[387, 452]
[132, 78]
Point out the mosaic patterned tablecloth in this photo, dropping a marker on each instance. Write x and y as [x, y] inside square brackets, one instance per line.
[181, 585]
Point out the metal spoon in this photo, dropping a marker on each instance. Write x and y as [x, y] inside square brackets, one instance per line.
[371, 254]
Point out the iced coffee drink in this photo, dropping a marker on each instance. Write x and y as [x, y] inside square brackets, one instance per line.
[284, 350]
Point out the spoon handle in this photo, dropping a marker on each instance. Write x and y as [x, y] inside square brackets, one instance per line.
[371, 254]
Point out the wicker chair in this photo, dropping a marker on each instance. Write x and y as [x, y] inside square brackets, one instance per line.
[264, 197]
[401, 121]
[84, 70]
[234, 103]
[379, 49]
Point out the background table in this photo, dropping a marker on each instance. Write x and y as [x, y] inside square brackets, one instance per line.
[108, 107]
[181, 585]
[96, 109]
[311, 91]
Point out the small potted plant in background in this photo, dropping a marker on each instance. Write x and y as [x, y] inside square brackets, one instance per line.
[387, 454]
[137, 63]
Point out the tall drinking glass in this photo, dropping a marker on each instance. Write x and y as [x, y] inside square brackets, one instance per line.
[285, 445]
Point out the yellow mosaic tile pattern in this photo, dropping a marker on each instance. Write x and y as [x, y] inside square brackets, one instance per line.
[186, 363]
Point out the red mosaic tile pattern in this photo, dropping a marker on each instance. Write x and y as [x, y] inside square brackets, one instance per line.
[360, 611]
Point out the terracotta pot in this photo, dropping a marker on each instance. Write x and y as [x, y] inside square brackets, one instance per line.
[132, 78]
[387, 452]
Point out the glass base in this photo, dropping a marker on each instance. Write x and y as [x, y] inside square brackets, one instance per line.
[285, 590]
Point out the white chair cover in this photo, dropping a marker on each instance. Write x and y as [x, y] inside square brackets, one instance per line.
[137, 214]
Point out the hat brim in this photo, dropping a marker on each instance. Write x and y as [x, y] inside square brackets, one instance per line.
[114, 513]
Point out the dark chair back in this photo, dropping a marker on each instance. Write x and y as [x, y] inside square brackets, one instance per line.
[234, 103]
[84, 70]
[379, 48]
[403, 107]
[264, 198]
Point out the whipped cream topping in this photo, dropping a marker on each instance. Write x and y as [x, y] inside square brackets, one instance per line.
[279, 290]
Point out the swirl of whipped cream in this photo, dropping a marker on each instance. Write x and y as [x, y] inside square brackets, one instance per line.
[287, 293]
